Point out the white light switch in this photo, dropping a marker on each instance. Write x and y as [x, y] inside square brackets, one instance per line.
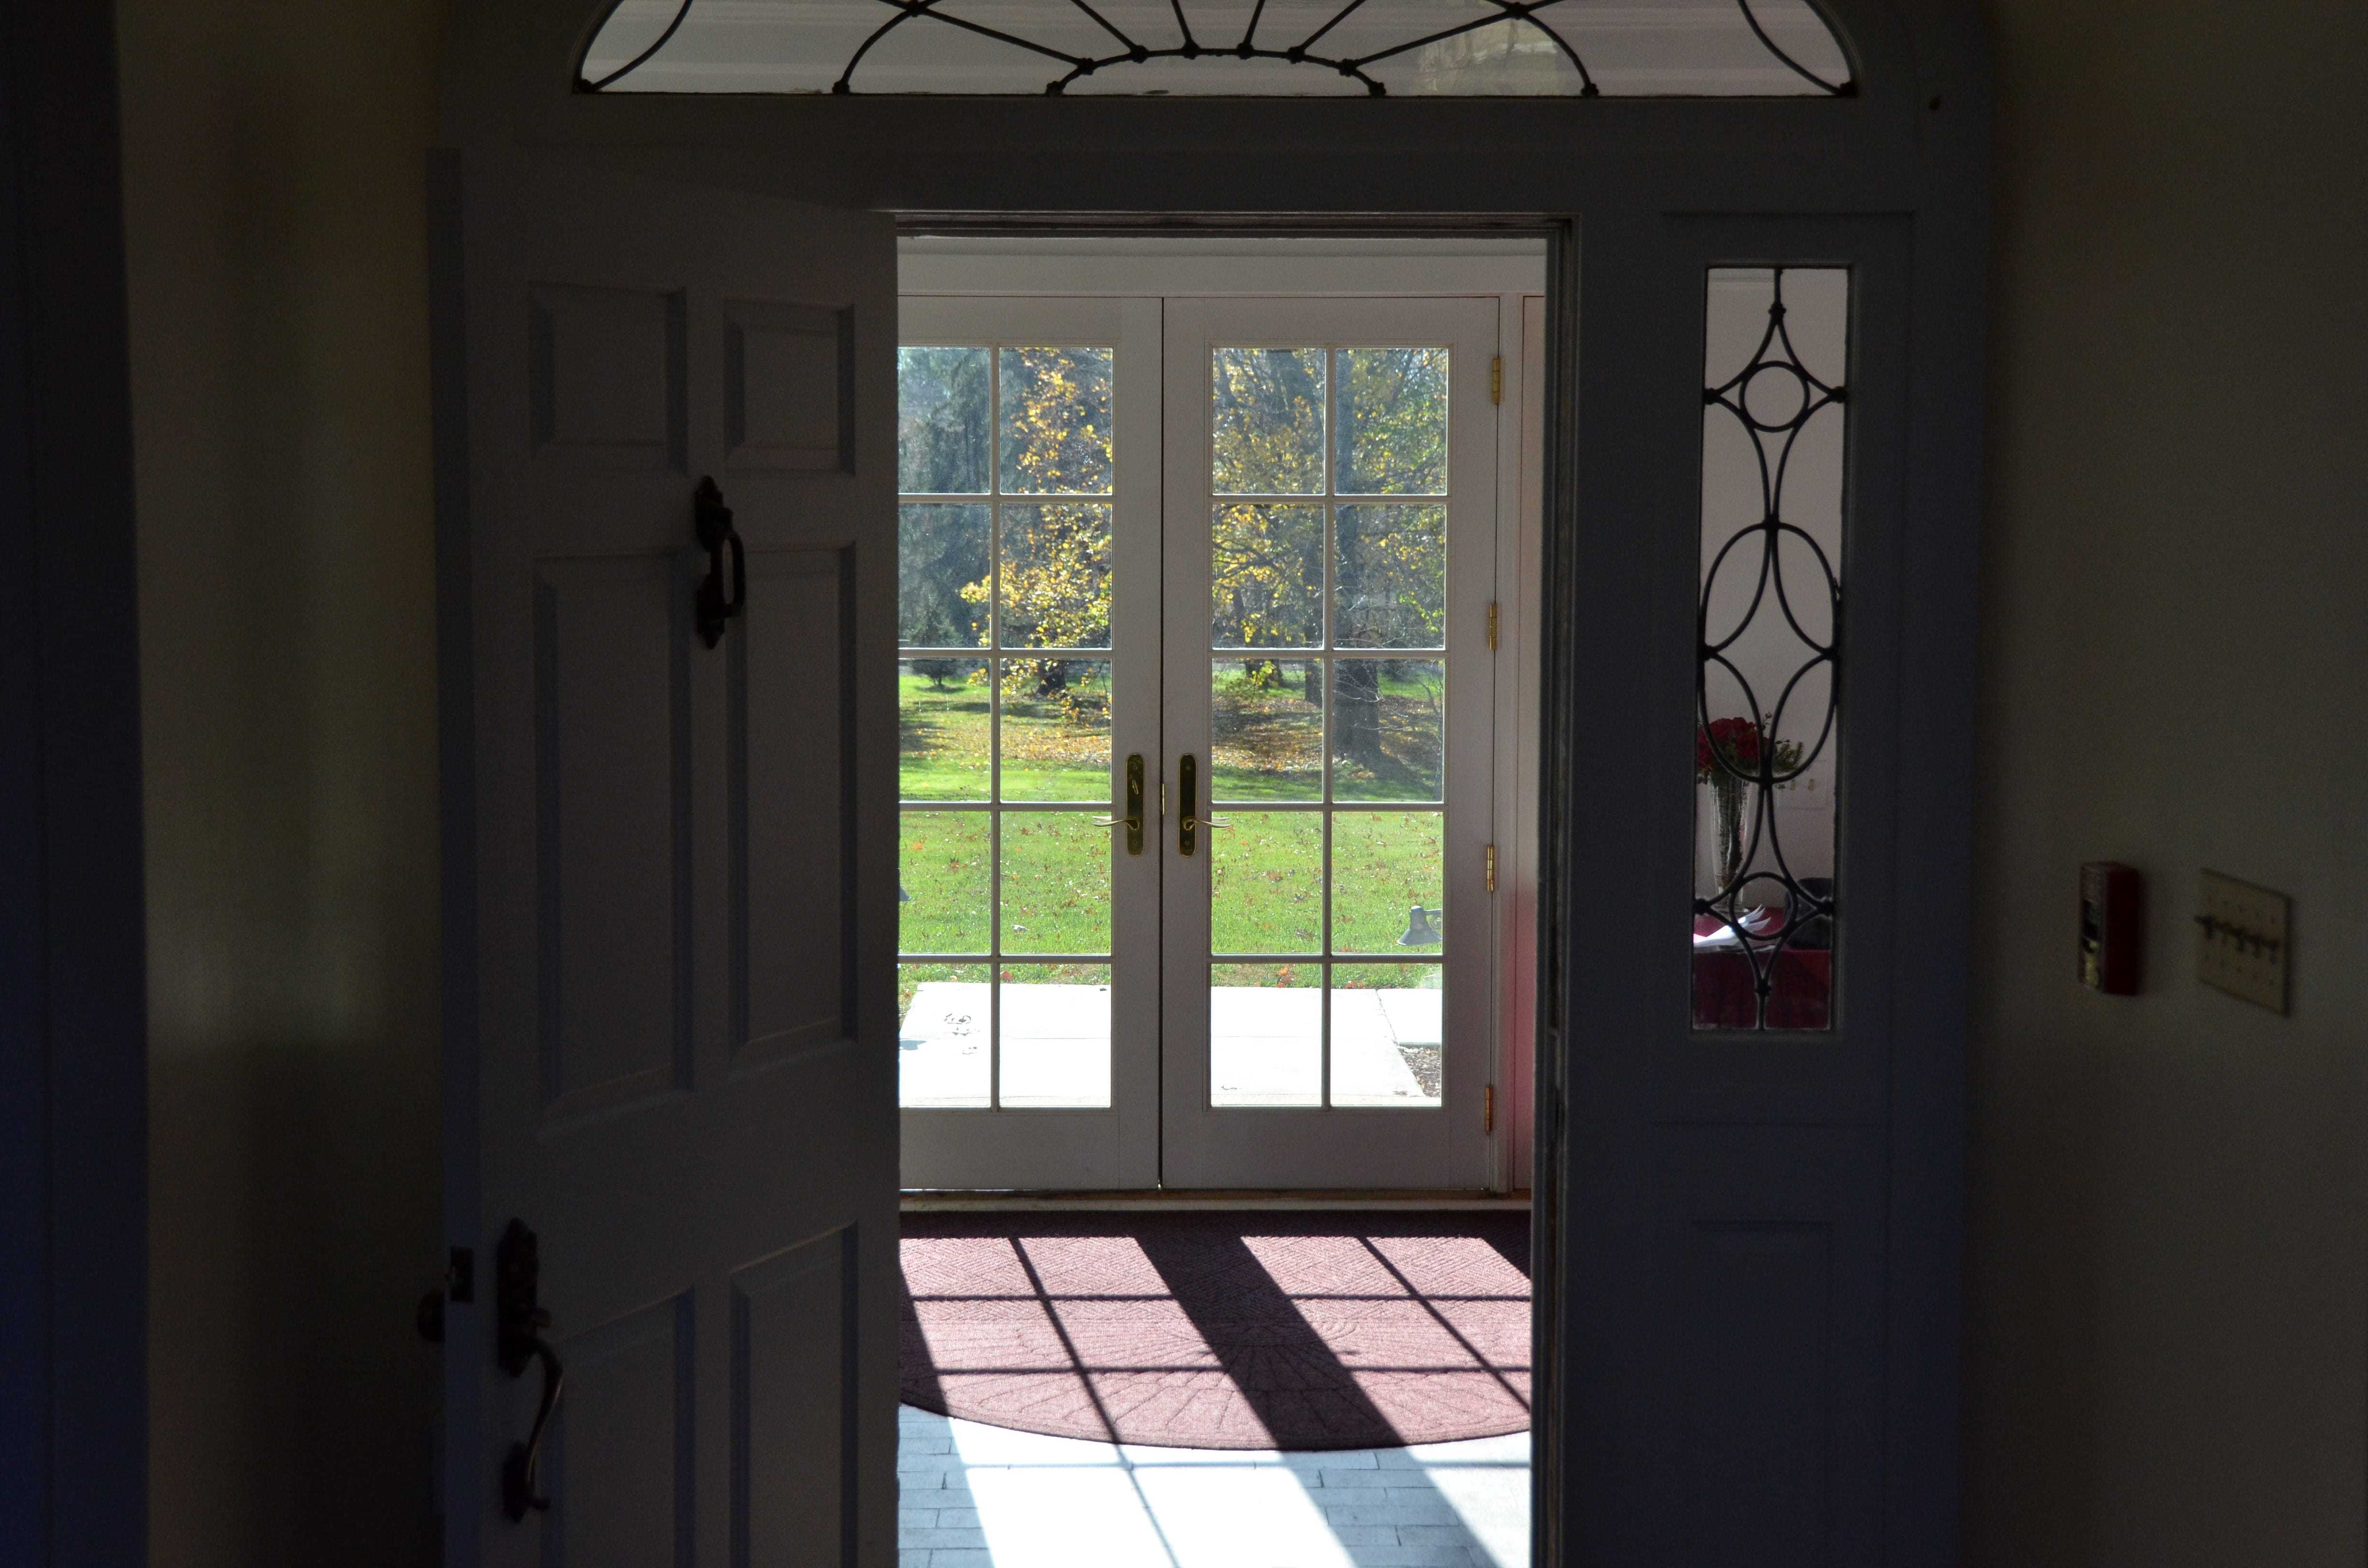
[2240, 940]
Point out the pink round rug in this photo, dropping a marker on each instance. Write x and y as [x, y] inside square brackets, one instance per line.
[1303, 1330]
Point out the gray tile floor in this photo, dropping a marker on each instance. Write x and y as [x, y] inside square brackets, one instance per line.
[977, 1497]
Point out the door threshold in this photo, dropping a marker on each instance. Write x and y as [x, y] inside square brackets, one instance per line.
[927, 1202]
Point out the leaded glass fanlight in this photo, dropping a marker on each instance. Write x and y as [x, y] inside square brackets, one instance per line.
[1220, 47]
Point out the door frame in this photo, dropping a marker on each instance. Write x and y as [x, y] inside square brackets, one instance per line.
[1911, 143]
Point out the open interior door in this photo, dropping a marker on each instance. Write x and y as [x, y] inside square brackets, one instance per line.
[666, 548]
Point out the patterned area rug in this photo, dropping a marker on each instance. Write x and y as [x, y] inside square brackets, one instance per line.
[1306, 1330]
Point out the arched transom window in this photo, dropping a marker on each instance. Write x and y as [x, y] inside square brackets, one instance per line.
[1220, 47]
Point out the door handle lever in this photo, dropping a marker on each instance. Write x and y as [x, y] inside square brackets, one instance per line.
[1133, 818]
[519, 1343]
[1190, 821]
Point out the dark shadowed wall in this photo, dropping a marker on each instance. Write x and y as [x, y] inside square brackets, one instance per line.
[274, 154]
[2169, 1260]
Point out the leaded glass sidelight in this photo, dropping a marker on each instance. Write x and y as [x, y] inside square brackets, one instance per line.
[1220, 47]
[1767, 715]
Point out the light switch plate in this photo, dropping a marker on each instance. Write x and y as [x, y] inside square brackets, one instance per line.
[2241, 941]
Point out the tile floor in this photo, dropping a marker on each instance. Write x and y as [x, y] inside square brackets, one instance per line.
[977, 1496]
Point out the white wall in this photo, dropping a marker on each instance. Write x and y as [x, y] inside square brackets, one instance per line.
[273, 161]
[2168, 1258]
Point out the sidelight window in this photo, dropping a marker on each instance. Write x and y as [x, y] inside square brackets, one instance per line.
[1767, 729]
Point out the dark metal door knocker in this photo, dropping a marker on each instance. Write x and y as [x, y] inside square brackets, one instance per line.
[713, 519]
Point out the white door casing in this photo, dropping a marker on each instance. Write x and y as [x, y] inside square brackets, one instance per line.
[668, 875]
[954, 1136]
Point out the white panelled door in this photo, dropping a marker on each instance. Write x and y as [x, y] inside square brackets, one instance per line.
[1197, 706]
[668, 577]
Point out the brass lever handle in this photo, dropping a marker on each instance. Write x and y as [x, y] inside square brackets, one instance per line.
[1188, 789]
[1133, 818]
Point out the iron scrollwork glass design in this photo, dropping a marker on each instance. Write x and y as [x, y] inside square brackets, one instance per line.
[1767, 630]
[1545, 48]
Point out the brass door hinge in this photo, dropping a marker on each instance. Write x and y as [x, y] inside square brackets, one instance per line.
[1489, 1108]
[1497, 379]
[1491, 868]
[1492, 626]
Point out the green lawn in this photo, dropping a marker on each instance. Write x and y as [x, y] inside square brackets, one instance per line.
[1266, 869]
[1055, 746]
[1266, 875]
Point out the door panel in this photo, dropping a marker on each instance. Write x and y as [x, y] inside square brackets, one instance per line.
[623, 1451]
[792, 703]
[1330, 529]
[612, 767]
[794, 1491]
[1029, 994]
[669, 864]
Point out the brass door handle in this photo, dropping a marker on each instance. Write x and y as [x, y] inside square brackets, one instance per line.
[1133, 818]
[1188, 792]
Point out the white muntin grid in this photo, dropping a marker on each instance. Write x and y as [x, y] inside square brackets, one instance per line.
[996, 499]
[1328, 654]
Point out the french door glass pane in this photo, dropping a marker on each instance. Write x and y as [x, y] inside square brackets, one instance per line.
[1265, 874]
[1266, 1034]
[1266, 729]
[1766, 735]
[940, 564]
[943, 1058]
[942, 881]
[1266, 421]
[944, 714]
[1387, 882]
[1388, 729]
[1056, 740]
[941, 434]
[1393, 425]
[1390, 577]
[1056, 883]
[1334, 727]
[1387, 1035]
[1056, 575]
[1056, 422]
[1266, 577]
[1054, 1035]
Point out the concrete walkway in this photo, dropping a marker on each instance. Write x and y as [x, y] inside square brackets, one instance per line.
[1265, 1046]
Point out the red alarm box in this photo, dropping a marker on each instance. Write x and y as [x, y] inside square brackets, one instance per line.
[2113, 918]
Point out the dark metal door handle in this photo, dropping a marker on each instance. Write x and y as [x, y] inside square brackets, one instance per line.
[519, 1343]
[712, 520]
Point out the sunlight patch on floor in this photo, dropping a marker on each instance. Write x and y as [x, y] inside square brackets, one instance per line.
[978, 1496]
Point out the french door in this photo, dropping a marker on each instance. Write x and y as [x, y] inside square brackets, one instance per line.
[1196, 691]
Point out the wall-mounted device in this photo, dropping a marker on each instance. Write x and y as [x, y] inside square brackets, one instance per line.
[2241, 939]
[2113, 926]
